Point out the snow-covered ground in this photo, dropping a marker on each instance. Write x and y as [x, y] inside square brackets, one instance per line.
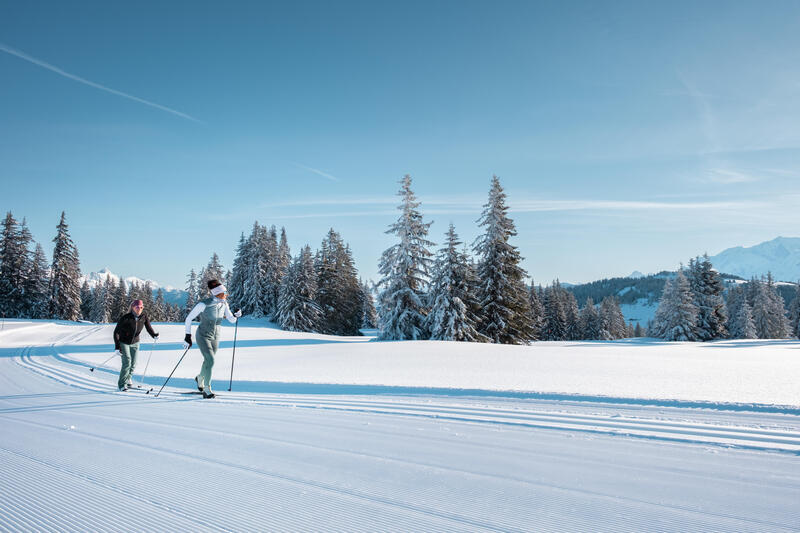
[328, 433]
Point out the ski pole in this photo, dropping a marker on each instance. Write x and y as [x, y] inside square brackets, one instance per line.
[173, 371]
[103, 363]
[233, 358]
[141, 379]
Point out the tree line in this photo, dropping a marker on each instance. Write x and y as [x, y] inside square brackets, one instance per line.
[695, 306]
[455, 296]
[29, 286]
[313, 291]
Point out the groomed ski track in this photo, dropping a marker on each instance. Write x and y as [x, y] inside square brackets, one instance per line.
[78, 456]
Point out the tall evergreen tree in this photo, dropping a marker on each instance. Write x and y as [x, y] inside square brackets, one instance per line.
[191, 291]
[573, 329]
[238, 281]
[537, 311]
[707, 290]
[338, 288]
[769, 313]
[256, 291]
[449, 318]
[506, 312]
[65, 289]
[86, 301]
[14, 266]
[120, 303]
[369, 315]
[794, 313]
[555, 315]
[214, 270]
[591, 325]
[405, 268]
[676, 316]
[741, 324]
[159, 311]
[100, 300]
[612, 320]
[37, 293]
[297, 306]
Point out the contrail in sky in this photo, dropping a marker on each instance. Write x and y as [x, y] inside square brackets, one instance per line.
[48, 66]
[317, 171]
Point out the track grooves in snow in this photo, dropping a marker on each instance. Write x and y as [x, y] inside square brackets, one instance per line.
[371, 498]
[513, 479]
[741, 437]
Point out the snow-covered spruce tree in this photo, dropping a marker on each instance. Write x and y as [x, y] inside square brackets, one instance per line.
[405, 268]
[612, 321]
[573, 330]
[338, 288]
[589, 321]
[741, 324]
[506, 312]
[110, 287]
[159, 313]
[14, 268]
[707, 290]
[256, 293]
[121, 303]
[38, 285]
[449, 318]
[555, 315]
[272, 274]
[65, 272]
[253, 268]
[676, 315]
[284, 258]
[769, 314]
[537, 311]
[369, 315]
[214, 270]
[86, 301]
[794, 313]
[236, 287]
[297, 306]
[191, 292]
[100, 299]
[639, 331]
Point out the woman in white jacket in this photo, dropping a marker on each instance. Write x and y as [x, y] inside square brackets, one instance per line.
[211, 311]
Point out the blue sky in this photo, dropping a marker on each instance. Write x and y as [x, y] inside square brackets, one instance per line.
[628, 136]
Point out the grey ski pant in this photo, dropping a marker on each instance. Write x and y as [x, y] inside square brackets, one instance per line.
[129, 353]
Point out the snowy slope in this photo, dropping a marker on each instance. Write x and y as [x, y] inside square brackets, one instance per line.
[781, 256]
[330, 433]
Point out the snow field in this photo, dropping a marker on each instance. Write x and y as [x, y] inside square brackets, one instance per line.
[299, 455]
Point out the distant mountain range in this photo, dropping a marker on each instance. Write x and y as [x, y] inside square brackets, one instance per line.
[171, 294]
[639, 294]
[781, 256]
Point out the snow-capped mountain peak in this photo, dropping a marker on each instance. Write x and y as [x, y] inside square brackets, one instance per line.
[781, 256]
[95, 278]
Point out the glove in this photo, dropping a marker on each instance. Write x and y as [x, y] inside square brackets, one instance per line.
[187, 341]
[238, 313]
[155, 335]
[118, 352]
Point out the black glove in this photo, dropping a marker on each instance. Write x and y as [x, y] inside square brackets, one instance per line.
[155, 335]
[187, 341]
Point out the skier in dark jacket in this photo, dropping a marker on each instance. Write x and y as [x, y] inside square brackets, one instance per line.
[126, 340]
[211, 312]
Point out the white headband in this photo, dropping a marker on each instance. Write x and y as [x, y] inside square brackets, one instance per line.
[219, 289]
